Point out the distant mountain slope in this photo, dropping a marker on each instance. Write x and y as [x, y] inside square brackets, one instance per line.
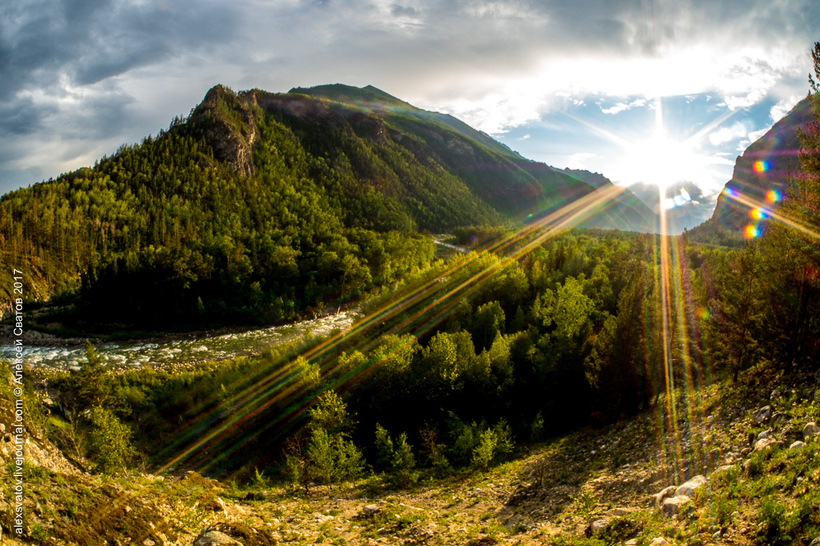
[640, 213]
[509, 183]
[262, 206]
[777, 152]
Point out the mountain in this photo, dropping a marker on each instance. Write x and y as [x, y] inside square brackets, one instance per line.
[764, 167]
[632, 202]
[265, 206]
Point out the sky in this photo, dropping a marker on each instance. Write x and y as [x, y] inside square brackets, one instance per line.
[645, 92]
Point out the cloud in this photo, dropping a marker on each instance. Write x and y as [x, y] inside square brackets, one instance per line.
[621, 106]
[497, 64]
[783, 107]
[580, 160]
[728, 134]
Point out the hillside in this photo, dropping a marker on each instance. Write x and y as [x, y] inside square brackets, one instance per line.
[753, 441]
[764, 167]
[266, 207]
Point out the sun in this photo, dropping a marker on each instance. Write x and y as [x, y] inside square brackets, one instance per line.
[664, 159]
[660, 160]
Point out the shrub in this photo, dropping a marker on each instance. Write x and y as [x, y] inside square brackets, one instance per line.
[110, 441]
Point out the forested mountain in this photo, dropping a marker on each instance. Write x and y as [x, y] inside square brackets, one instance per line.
[265, 206]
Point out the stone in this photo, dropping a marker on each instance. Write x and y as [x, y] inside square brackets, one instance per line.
[596, 527]
[688, 488]
[777, 393]
[663, 495]
[214, 538]
[766, 443]
[817, 377]
[765, 434]
[762, 415]
[815, 542]
[659, 542]
[672, 506]
[797, 445]
[810, 430]
[371, 510]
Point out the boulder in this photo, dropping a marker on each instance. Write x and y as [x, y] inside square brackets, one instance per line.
[765, 434]
[214, 538]
[810, 430]
[688, 488]
[797, 445]
[371, 510]
[658, 542]
[663, 495]
[815, 542]
[762, 415]
[766, 443]
[596, 527]
[672, 506]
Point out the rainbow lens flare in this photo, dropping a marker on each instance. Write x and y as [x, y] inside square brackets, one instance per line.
[751, 231]
[704, 313]
[731, 192]
[759, 213]
[761, 166]
[773, 196]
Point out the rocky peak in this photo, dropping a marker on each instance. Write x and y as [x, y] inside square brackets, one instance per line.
[228, 121]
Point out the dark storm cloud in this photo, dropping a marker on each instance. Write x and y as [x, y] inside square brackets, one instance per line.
[22, 117]
[87, 41]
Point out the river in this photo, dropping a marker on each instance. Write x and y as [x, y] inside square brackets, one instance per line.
[176, 349]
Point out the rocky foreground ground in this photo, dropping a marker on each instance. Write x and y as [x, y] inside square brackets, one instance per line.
[728, 464]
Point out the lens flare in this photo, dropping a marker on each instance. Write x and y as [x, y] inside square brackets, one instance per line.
[761, 166]
[759, 213]
[751, 231]
[730, 192]
[773, 196]
[703, 312]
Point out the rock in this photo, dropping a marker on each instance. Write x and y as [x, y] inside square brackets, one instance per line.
[810, 430]
[765, 434]
[817, 380]
[672, 506]
[777, 393]
[688, 489]
[815, 542]
[663, 495]
[371, 510]
[762, 415]
[596, 527]
[658, 542]
[797, 445]
[766, 443]
[214, 538]
[215, 505]
[779, 418]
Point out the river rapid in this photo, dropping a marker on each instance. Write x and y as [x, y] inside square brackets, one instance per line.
[172, 350]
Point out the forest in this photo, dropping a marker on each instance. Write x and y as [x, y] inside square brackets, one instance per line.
[537, 330]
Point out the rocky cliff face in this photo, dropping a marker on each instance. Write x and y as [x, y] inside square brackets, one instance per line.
[228, 121]
[765, 166]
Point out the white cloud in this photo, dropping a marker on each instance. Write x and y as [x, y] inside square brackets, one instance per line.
[783, 107]
[580, 160]
[621, 106]
[727, 134]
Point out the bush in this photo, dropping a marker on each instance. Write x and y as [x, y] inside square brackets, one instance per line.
[110, 441]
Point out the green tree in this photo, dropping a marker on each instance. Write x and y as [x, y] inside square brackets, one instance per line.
[110, 441]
